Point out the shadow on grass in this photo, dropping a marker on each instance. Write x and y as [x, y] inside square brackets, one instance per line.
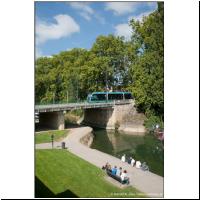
[41, 191]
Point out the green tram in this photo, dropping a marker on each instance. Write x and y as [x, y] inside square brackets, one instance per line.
[99, 97]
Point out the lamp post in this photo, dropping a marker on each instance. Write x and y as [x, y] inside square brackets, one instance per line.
[106, 84]
[67, 96]
[106, 80]
[52, 137]
[53, 97]
[77, 92]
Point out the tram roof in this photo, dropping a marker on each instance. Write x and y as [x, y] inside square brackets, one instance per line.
[116, 92]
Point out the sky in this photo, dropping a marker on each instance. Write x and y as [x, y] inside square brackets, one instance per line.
[61, 26]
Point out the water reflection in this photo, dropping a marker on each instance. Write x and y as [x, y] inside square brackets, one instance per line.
[144, 148]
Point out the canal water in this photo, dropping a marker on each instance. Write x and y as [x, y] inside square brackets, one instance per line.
[144, 148]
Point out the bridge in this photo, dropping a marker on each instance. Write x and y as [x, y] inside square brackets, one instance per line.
[104, 115]
[75, 106]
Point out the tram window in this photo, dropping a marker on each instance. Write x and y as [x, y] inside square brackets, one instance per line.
[111, 96]
[119, 96]
[101, 96]
[115, 96]
[128, 96]
[96, 97]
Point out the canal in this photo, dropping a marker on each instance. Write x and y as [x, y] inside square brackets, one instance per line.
[144, 148]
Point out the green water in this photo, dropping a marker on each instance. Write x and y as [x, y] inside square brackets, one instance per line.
[144, 148]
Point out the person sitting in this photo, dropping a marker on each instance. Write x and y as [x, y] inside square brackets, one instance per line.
[123, 159]
[114, 170]
[129, 160]
[107, 167]
[104, 166]
[124, 177]
[138, 164]
[119, 172]
[132, 162]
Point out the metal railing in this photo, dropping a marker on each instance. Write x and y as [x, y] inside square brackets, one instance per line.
[80, 105]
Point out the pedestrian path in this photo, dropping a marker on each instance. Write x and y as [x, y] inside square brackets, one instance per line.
[145, 181]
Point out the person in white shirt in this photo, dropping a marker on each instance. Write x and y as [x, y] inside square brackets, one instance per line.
[132, 162]
[138, 164]
[124, 176]
[123, 159]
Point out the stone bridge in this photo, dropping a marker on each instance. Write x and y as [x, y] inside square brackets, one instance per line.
[107, 115]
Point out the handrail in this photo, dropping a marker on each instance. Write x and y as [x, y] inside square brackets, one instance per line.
[69, 106]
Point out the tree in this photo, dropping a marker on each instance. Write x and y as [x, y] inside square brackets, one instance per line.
[147, 69]
[113, 53]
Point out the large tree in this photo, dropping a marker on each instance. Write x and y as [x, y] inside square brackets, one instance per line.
[115, 64]
[148, 66]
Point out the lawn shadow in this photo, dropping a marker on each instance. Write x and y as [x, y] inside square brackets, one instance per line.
[42, 191]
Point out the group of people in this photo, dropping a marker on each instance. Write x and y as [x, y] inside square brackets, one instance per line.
[122, 174]
[117, 172]
[131, 161]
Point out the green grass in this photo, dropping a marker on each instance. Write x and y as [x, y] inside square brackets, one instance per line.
[61, 172]
[45, 137]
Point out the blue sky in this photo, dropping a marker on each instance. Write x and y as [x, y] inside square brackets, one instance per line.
[61, 26]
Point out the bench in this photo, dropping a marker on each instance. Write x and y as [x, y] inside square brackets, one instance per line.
[117, 178]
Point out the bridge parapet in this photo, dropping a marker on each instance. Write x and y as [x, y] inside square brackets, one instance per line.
[74, 106]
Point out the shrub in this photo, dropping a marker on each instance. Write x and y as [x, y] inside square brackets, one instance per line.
[151, 122]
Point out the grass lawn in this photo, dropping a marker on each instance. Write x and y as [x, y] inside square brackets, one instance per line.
[60, 173]
[45, 137]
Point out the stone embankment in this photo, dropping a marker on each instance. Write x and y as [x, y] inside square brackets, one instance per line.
[87, 139]
[122, 117]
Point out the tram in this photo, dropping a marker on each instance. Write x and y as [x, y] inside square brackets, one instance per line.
[98, 97]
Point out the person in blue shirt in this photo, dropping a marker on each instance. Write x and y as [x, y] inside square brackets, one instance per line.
[119, 172]
[114, 170]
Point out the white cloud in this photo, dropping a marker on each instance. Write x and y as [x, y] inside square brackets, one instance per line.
[85, 15]
[140, 16]
[64, 27]
[123, 30]
[121, 8]
[100, 18]
[85, 10]
[82, 6]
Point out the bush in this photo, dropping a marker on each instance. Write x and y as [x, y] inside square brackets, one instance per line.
[151, 122]
[78, 112]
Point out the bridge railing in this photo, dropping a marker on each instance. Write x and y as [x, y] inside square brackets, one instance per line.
[80, 105]
[82, 102]
[59, 102]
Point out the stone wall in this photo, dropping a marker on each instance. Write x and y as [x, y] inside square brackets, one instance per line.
[87, 139]
[123, 117]
[99, 117]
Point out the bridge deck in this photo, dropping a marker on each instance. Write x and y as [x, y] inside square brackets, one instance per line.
[74, 106]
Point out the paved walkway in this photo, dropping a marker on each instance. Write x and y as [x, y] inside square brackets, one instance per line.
[147, 182]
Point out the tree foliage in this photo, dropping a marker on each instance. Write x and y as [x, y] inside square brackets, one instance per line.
[77, 72]
[147, 71]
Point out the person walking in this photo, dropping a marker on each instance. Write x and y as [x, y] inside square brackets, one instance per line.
[123, 159]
